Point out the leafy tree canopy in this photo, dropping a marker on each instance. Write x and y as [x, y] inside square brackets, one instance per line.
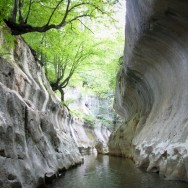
[24, 16]
[77, 42]
[101, 43]
[91, 42]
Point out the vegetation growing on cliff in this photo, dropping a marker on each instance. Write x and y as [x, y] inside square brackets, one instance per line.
[7, 43]
[77, 42]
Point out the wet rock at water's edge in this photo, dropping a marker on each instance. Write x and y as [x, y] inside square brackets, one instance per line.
[151, 89]
[101, 147]
[35, 136]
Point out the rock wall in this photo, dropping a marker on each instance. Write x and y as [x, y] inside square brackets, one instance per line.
[91, 104]
[39, 139]
[87, 137]
[35, 136]
[152, 92]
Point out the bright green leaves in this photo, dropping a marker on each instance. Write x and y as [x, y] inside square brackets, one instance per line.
[95, 54]
[5, 7]
[6, 42]
[40, 16]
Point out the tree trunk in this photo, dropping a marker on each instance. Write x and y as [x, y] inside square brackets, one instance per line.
[54, 86]
[14, 11]
[62, 94]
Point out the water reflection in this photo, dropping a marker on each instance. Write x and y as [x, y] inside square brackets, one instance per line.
[111, 172]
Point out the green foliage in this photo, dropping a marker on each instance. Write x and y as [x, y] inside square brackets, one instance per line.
[89, 120]
[40, 16]
[43, 10]
[100, 38]
[69, 101]
[90, 41]
[5, 7]
[100, 76]
[6, 42]
[103, 48]
[106, 122]
[98, 68]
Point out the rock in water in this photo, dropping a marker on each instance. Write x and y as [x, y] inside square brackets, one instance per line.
[151, 89]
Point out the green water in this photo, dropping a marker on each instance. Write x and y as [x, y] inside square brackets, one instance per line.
[111, 172]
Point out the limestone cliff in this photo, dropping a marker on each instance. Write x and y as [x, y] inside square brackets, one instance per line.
[101, 108]
[152, 88]
[87, 133]
[86, 137]
[39, 139]
[35, 137]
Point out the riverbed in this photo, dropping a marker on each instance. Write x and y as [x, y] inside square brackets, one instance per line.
[99, 171]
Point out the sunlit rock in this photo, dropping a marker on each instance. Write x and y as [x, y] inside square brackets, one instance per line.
[39, 139]
[35, 137]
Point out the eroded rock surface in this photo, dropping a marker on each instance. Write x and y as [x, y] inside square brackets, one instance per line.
[35, 136]
[101, 147]
[152, 88]
[87, 133]
[87, 137]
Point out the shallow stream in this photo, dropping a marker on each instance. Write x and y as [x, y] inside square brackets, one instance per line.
[112, 172]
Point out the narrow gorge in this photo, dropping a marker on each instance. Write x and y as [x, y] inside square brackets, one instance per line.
[41, 138]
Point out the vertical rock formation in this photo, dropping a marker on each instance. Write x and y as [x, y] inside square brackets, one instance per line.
[86, 137]
[38, 138]
[86, 129]
[152, 90]
[35, 137]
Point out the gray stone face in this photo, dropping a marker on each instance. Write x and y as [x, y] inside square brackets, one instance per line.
[90, 104]
[151, 90]
[101, 147]
[35, 136]
[87, 137]
[38, 138]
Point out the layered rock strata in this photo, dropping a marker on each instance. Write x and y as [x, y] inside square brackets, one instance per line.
[152, 88]
[35, 136]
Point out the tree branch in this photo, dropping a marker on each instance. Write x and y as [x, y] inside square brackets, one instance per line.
[85, 26]
[66, 13]
[77, 17]
[66, 81]
[20, 5]
[54, 12]
[12, 17]
[23, 27]
[18, 29]
[43, 37]
[80, 4]
[64, 68]
[97, 8]
[72, 28]
[28, 12]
